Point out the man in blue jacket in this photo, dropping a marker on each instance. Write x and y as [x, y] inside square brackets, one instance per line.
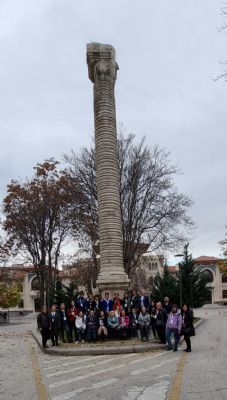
[107, 303]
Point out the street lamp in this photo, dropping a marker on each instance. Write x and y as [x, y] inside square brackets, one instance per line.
[180, 277]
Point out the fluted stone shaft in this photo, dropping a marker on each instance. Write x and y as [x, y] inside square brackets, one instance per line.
[102, 72]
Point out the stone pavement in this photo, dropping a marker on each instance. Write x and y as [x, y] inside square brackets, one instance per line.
[29, 374]
[205, 374]
[110, 377]
[16, 376]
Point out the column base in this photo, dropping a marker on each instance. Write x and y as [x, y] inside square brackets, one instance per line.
[112, 287]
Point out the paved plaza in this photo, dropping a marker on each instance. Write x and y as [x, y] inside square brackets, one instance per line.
[29, 374]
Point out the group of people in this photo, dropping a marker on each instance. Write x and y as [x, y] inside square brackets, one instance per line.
[130, 317]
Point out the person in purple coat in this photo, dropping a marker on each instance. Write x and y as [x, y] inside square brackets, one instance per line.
[173, 327]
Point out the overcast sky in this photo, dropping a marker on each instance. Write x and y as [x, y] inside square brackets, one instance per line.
[168, 52]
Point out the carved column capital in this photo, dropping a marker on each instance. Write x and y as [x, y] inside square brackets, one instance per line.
[101, 61]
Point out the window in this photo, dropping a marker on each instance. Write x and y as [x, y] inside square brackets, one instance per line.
[224, 294]
[35, 284]
[224, 278]
[156, 265]
[209, 275]
[149, 266]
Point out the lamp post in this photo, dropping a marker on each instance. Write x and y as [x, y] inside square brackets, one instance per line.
[180, 278]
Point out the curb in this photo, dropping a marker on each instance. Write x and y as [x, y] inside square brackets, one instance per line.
[102, 350]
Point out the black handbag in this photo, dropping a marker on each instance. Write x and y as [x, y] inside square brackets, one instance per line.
[188, 330]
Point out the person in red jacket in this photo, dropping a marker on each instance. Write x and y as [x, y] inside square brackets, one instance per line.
[117, 306]
[72, 312]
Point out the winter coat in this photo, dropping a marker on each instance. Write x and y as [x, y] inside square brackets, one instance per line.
[144, 301]
[91, 323]
[144, 319]
[161, 317]
[72, 312]
[134, 302]
[63, 318]
[125, 304]
[167, 307]
[187, 323]
[107, 305]
[124, 321]
[80, 322]
[102, 321]
[55, 322]
[113, 322]
[81, 304]
[133, 319]
[174, 321]
[43, 321]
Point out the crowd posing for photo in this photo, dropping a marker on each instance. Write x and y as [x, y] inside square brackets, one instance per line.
[132, 317]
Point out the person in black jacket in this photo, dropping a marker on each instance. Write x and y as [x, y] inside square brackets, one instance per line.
[134, 300]
[167, 305]
[44, 325]
[144, 300]
[64, 324]
[188, 329]
[160, 326]
[55, 325]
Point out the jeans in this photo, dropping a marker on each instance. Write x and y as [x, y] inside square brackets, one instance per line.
[80, 334]
[169, 333]
[65, 328]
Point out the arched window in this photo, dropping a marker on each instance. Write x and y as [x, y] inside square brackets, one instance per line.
[35, 284]
[209, 275]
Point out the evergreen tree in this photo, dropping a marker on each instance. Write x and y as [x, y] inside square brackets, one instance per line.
[59, 296]
[71, 293]
[164, 284]
[195, 290]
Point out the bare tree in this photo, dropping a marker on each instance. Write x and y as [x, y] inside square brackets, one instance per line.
[222, 28]
[152, 209]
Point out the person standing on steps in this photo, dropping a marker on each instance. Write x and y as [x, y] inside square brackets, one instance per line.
[64, 324]
[160, 324]
[173, 327]
[44, 325]
[187, 329]
[55, 325]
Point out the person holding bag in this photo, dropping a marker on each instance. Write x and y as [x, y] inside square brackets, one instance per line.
[187, 329]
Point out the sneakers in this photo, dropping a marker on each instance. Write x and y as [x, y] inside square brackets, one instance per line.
[83, 341]
[169, 348]
[76, 342]
[175, 349]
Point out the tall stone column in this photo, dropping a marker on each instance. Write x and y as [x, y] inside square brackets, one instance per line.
[102, 70]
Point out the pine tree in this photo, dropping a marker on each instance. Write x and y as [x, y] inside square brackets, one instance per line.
[71, 293]
[164, 284]
[59, 295]
[195, 290]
